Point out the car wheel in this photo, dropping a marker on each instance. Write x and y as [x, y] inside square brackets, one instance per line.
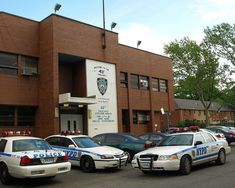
[129, 154]
[185, 165]
[87, 164]
[221, 157]
[5, 177]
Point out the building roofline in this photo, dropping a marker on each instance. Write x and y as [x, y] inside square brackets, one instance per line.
[144, 51]
[73, 20]
[21, 17]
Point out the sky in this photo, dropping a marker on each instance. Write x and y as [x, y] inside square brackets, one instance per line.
[154, 22]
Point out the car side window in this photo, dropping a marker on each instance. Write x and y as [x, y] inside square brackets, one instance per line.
[155, 137]
[114, 138]
[53, 141]
[208, 137]
[65, 142]
[99, 139]
[3, 143]
[144, 137]
[199, 137]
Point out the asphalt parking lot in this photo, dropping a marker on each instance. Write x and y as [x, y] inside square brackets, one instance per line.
[208, 176]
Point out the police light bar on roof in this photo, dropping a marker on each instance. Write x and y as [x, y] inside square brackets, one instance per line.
[16, 133]
[68, 132]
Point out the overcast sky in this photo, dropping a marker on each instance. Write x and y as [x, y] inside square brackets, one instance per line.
[154, 22]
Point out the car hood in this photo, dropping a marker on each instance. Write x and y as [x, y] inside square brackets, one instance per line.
[104, 150]
[164, 150]
[39, 153]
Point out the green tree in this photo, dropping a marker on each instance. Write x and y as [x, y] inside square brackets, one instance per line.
[197, 73]
[220, 39]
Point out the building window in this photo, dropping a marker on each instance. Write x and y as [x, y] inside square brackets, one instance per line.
[7, 114]
[135, 119]
[26, 116]
[134, 81]
[144, 83]
[155, 84]
[8, 63]
[141, 117]
[123, 79]
[139, 82]
[163, 85]
[29, 65]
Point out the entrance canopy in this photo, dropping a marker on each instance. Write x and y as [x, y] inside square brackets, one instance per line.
[67, 99]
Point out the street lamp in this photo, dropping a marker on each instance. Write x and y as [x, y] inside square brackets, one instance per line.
[57, 7]
[113, 25]
[138, 43]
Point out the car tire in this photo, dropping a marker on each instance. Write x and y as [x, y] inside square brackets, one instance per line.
[129, 154]
[185, 165]
[87, 164]
[221, 157]
[5, 177]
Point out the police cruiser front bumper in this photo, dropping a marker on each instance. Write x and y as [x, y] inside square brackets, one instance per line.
[111, 163]
[151, 163]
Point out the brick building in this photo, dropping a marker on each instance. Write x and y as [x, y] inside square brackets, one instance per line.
[193, 109]
[56, 75]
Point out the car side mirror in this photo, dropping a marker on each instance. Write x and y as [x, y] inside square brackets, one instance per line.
[198, 143]
[72, 146]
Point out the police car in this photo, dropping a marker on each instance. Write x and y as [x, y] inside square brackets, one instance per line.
[86, 153]
[181, 151]
[29, 157]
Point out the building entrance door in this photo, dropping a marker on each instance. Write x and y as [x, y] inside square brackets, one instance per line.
[71, 122]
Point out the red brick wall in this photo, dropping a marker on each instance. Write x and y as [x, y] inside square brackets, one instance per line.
[56, 35]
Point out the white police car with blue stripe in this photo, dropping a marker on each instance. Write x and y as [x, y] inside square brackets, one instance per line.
[86, 153]
[29, 157]
[181, 151]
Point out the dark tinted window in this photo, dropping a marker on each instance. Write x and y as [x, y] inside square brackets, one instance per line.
[123, 79]
[26, 116]
[8, 63]
[134, 81]
[54, 141]
[3, 143]
[65, 142]
[7, 116]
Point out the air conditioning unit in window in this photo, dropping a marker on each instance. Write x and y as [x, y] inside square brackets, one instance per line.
[26, 72]
[144, 83]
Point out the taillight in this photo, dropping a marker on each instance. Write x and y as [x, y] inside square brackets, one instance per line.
[24, 161]
[232, 134]
[148, 144]
[66, 158]
[218, 136]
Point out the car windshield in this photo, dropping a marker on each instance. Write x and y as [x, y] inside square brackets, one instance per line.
[178, 140]
[30, 145]
[85, 142]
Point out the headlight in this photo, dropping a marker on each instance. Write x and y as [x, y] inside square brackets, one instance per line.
[106, 156]
[167, 157]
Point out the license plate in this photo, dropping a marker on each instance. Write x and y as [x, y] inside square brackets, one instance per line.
[47, 160]
[145, 164]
